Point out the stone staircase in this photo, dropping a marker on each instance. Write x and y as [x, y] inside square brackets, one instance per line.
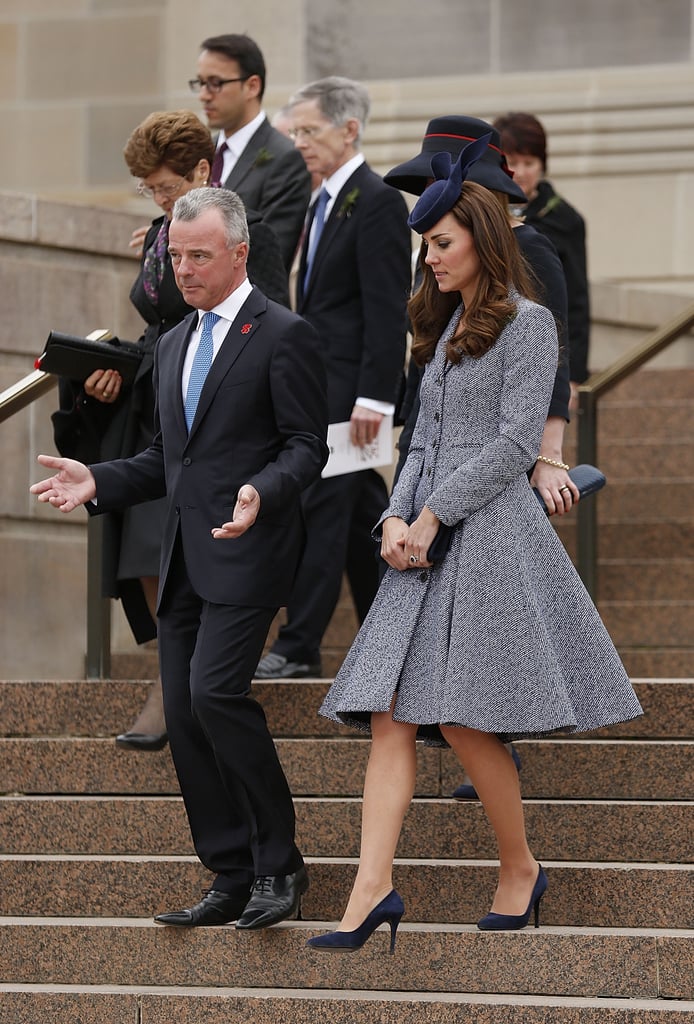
[646, 520]
[94, 841]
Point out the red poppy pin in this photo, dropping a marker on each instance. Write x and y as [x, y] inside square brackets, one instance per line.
[246, 328]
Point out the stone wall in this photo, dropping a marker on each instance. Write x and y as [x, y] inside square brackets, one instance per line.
[62, 267]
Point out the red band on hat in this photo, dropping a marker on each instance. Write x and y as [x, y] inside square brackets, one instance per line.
[464, 138]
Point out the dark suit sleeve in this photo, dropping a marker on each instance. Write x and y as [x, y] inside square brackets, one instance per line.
[548, 272]
[298, 387]
[573, 257]
[265, 266]
[384, 259]
[285, 195]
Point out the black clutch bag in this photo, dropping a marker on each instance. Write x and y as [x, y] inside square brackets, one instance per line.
[76, 358]
[587, 478]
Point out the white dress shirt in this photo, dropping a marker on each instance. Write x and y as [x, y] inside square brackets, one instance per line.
[227, 311]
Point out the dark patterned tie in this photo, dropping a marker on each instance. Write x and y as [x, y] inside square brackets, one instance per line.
[154, 263]
[316, 231]
[200, 368]
[218, 165]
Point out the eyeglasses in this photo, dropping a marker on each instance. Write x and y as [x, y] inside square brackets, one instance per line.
[165, 191]
[213, 84]
[306, 133]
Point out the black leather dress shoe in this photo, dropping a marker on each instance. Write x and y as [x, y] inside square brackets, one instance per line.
[274, 898]
[142, 741]
[215, 908]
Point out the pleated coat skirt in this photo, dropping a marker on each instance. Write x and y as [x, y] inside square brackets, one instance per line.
[501, 635]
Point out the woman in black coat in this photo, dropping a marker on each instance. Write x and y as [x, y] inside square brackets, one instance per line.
[524, 142]
[100, 418]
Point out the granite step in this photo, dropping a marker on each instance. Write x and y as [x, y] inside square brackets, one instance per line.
[652, 385]
[628, 418]
[62, 1004]
[586, 769]
[665, 537]
[559, 829]
[642, 499]
[623, 963]
[667, 662]
[643, 579]
[581, 893]
[651, 623]
[99, 709]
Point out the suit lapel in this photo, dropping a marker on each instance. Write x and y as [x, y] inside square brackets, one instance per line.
[237, 337]
[172, 352]
[337, 218]
[246, 162]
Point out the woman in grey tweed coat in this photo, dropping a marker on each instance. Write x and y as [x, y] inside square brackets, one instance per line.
[499, 640]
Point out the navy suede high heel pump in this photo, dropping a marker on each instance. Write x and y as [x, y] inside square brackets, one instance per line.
[390, 910]
[514, 922]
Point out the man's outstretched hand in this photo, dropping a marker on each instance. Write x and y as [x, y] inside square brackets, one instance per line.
[245, 514]
[72, 485]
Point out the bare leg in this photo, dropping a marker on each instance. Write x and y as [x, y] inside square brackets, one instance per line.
[495, 778]
[388, 788]
[150, 721]
[466, 778]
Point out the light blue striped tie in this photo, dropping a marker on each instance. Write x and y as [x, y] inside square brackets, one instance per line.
[316, 230]
[201, 366]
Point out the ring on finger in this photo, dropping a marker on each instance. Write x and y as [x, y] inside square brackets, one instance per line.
[413, 559]
[564, 488]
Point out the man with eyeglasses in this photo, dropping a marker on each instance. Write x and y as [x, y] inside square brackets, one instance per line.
[352, 286]
[252, 158]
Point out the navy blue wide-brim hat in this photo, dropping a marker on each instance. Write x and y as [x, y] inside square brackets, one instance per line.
[450, 134]
[444, 192]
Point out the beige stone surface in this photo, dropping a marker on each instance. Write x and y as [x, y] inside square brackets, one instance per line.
[17, 216]
[8, 61]
[43, 596]
[61, 130]
[536, 33]
[117, 55]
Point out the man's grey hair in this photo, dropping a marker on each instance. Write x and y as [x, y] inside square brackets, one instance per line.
[339, 99]
[199, 200]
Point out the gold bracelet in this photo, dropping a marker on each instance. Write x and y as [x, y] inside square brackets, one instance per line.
[552, 462]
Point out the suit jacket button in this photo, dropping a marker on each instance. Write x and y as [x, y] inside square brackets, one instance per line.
[187, 461]
[178, 510]
[423, 576]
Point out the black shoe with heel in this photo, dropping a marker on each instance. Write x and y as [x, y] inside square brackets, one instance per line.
[514, 922]
[389, 910]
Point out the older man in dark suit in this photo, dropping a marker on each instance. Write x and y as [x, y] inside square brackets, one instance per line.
[252, 157]
[353, 285]
[239, 432]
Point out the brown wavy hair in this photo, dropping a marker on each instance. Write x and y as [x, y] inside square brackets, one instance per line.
[502, 267]
[176, 138]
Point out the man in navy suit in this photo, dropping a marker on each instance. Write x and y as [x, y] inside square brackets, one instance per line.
[353, 285]
[252, 157]
[239, 431]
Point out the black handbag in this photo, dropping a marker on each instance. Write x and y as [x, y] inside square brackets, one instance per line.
[587, 478]
[77, 358]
